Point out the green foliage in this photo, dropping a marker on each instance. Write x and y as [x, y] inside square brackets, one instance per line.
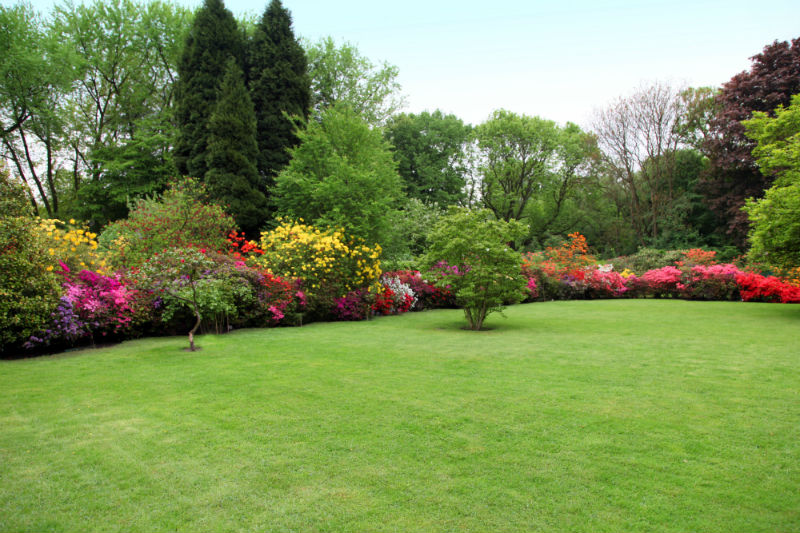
[412, 225]
[29, 290]
[13, 200]
[775, 219]
[429, 150]
[516, 151]
[553, 209]
[213, 39]
[479, 267]
[119, 127]
[138, 166]
[341, 75]
[181, 217]
[232, 177]
[647, 259]
[279, 87]
[341, 175]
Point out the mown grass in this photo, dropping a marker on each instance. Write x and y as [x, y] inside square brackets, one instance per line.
[567, 416]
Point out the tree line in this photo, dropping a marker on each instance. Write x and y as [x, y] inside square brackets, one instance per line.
[104, 103]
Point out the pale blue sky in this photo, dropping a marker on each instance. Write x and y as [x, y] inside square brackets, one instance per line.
[558, 60]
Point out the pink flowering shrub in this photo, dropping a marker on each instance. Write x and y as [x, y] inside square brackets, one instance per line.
[714, 282]
[91, 304]
[355, 305]
[661, 282]
[605, 284]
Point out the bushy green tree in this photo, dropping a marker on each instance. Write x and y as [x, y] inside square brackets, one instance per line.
[775, 219]
[469, 251]
[232, 178]
[213, 39]
[516, 153]
[342, 175]
[429, 150]
[279, 87]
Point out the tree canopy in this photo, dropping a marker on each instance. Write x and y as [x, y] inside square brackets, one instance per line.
[341, 174]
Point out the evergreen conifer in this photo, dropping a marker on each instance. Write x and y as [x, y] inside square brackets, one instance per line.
[232, 178]
[213, 39]
[279, 86]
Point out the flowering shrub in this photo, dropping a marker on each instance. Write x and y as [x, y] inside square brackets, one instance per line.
[328, 264]
[74, 246]
[661, 281]
[92, 304]
[560, 261]
[181, 217]
[428, 295]
[604, 283]
[715, 282]
[757, 288]
[29, 293]
[403, 297]
[355, 305]
[698, 256]
[240, 248]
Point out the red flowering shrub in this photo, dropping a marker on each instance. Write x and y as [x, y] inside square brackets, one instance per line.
[384, 301]
[757, 288]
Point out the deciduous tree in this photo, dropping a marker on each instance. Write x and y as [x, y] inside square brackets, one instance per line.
[733, 176]
[430, 152]
[340, 74]
[775, 218]
[341, 174]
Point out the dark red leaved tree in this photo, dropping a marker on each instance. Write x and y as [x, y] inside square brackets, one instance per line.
[733, 175]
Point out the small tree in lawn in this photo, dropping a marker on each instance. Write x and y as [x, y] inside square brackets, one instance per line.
[470, 255]
[177, 271]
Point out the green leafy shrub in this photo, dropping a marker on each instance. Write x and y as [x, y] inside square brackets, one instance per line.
[29, 289]
[469, 255]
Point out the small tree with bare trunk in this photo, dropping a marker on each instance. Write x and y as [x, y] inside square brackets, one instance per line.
[176, 273]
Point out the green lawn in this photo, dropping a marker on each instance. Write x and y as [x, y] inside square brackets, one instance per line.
[635, 415]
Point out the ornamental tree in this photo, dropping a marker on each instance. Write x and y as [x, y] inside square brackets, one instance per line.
[470, 252]
[733, 175]
[177, 272]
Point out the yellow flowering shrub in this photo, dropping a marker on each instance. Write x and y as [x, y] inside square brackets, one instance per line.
[327, 262]
[75, 245]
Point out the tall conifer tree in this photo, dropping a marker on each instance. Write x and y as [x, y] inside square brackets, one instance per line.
[278, 83]
[232, 178]
[213, 39]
